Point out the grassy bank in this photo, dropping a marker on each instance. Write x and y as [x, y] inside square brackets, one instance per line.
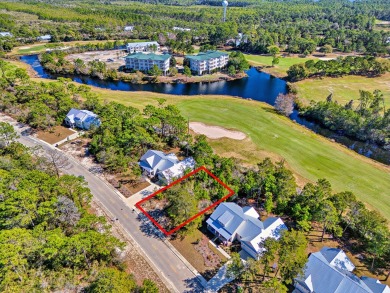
[279, 70]
[309, 155]
[344, 88]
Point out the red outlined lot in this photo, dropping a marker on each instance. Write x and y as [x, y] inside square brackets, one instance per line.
[167, 233]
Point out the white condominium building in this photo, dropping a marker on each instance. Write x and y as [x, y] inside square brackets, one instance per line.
[205, 62]
[145, 61]
[142, 47]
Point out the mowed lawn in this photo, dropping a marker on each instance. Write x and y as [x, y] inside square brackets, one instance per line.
[344, 88]
[33, 48]
[280, 69]
[310, 156]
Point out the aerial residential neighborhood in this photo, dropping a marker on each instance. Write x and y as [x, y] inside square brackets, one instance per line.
[195, 146]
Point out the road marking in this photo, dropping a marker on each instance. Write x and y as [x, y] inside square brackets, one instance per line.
[173, 268]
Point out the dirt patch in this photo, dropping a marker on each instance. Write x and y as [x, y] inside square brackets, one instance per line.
[198, 253]
[215, 132]
[156, 208]
[57, 134]
[137, 186]
[113, 58]
[209, 257]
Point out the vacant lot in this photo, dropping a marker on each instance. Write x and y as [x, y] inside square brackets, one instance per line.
[113, 58]
[57, 134]
[344, 88]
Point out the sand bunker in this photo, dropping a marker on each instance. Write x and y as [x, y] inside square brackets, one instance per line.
[215, 132]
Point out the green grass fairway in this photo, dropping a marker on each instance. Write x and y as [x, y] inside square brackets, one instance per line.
[344, 88]
[279, 70]
[307, 154]
[34, 48]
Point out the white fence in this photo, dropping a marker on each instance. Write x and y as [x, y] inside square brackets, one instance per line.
[68, 138]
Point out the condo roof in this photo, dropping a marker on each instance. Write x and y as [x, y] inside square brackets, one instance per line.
[141, 44]
[206, 55]
[149, 56]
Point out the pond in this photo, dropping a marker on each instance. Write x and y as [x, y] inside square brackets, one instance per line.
[258, 86]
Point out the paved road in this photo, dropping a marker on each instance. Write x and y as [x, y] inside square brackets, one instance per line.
[168, 266]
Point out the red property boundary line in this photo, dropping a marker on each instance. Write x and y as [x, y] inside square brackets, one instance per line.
[167, 233]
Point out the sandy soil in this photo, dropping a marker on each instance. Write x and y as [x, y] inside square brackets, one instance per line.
[57, 134]
[326, 58]
[116, 55]
[215, 132]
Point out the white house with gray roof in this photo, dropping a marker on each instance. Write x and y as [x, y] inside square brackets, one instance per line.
[166, 167]
[330, 271]
[128, 28]
[82, 119]
[142, 47]
[44, 38]
[5, 34]
[230, 222]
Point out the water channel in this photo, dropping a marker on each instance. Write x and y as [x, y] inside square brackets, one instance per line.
[258, 86]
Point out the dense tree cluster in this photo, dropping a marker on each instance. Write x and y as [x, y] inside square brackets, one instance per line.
[126, 133]
[365, 66]
[48, 239]
[297, 27]
[41, 105]
[368, 121]
[238, 62]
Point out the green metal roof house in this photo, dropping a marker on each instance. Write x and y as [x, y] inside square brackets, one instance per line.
[205, 62]
[145, 61]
